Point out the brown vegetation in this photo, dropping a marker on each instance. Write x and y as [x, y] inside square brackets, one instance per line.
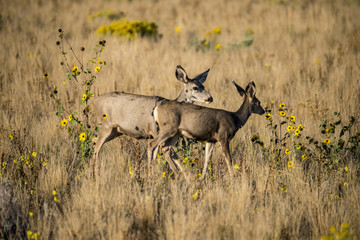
[301, 53]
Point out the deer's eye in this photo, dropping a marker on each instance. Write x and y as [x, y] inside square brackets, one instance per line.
[195, 88]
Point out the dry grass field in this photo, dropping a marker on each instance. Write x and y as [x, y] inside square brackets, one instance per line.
[288, 183]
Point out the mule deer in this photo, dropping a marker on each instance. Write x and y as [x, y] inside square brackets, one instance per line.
[132, 115]
[204, 124]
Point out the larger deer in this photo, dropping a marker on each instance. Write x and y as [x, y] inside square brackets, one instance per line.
[132, 115]
[204, 124]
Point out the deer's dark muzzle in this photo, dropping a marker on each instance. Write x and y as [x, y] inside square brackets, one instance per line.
[209, 100]
[261, 111]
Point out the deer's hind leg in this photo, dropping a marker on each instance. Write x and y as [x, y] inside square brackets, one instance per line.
[226, 152]
[171, 156]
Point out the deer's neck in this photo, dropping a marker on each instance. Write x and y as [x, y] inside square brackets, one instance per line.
[243, 114]
[182, 98]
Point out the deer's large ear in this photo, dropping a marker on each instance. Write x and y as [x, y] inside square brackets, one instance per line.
[201, 77]
[240, 90]
[251, 89]
[181, 74]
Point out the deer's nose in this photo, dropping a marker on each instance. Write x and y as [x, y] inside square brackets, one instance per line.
[262, 111]
[209, 100]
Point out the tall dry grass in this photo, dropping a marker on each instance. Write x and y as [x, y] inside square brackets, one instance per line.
[305, 54]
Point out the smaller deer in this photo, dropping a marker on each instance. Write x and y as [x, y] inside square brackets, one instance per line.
[204, 124]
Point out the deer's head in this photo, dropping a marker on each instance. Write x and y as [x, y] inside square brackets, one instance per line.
[252, 103]
[194, 89]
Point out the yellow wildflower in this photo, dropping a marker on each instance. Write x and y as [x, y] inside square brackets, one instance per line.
[54, 192]
[131, 171]
[292, 118]
[304, 156]
[346, 169]
[34, 154]
[70, 117]
[26, 182]
[32, 191]
[255, 138]
[45, 75]
[297, 132]
[346, 184]
[84, 97]
[249, 31]
[29, 234]
[317, 60]
[218, 46]
[345, 226]
[64, 122]
[158, 158]
[290, 164]
[290, 128]
[217, 30]
[56, 199]
[332, 229]
[11, 137]
[75, 68]
[82, 136]
[195, 195]
[105, 116]
[236, 166]
[327, 141]
[97, 69]
[177, 30]
[287, 151]
[206, 43]
[31, 214]
[300, 127]
[282, 113]
[268, 116]
[164, 175]
[282, 105]
[36, 235]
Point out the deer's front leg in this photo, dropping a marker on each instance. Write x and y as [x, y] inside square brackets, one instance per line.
[208, 150]
[170, 155]
[156, 142]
